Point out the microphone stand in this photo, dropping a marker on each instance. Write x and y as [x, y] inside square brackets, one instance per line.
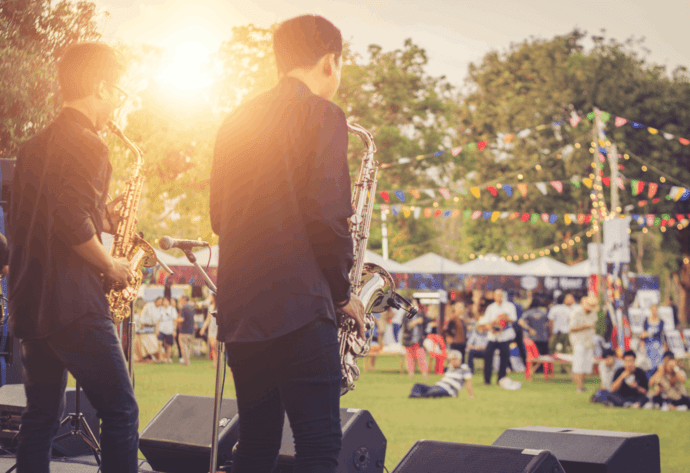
[220, 362]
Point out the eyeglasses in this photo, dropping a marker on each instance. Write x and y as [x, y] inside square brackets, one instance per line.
[120, 97]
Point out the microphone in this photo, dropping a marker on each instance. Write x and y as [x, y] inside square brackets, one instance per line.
[166, 243]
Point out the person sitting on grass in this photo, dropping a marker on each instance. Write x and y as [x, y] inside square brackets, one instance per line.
[608, 366]
[457, 374]
[657, 398]
[672, 385]
[630, 384]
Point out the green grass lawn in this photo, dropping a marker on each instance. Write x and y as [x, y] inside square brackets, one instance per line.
[403, 420]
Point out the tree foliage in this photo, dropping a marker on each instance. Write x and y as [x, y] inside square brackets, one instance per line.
[33, 34]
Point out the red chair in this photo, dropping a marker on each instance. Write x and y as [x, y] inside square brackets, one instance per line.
[438, 351]
[532, 355]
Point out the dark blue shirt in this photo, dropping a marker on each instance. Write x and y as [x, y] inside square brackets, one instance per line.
[280, 200]
[58, 198]
[187, 314]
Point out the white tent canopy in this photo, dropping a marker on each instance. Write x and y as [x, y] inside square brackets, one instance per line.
[489, 265]
[202, 257]
[432, 263]
[545, 266]
[169, 259]
[584, 269]
[387, 264]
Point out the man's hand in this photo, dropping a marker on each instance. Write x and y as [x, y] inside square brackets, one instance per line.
[355, 309]
[120, 272]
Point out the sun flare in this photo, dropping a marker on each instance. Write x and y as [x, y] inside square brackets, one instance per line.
[185, 71]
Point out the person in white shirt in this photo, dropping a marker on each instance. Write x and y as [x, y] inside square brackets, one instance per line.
[456, 376]
[147, 341]
[559, 320]
[165, 330]
[498, 320]
[582, 322]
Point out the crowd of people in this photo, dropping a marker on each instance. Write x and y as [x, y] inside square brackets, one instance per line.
[168, 325]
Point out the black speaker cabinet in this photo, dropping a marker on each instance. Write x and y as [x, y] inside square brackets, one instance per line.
[178, 438]
[12, 404]
[427, 456]
[363, 450]
[590, 451]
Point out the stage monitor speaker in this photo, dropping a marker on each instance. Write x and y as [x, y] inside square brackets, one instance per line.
[363, 448]
[446, 457]
[12, 404]
[590, 451]
[178, 438]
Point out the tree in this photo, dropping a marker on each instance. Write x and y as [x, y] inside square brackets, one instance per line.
[33, 34]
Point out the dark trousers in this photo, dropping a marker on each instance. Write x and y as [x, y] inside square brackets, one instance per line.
[617, 400]
[423, 390]
[519, 339]
[298, 374]
[89, 349]
[459, 347]
[683, 401]
[504, 354]
[542, 347]
[471, 355]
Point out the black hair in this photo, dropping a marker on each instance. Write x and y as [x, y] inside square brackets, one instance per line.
[669, 354]
[608, 352]
[84, 65]
[301, 41]
[629, 353]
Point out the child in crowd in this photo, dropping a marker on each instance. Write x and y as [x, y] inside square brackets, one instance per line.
[457, 374]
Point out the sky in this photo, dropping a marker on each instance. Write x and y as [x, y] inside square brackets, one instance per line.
[454, 33]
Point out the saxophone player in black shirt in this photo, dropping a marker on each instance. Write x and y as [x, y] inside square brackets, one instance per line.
[58, 308]
[280, 200]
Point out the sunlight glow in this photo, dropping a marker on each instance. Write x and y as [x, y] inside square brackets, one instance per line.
[185, 72]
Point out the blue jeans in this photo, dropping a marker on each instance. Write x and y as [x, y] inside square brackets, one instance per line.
[89, 349]
[298, 374]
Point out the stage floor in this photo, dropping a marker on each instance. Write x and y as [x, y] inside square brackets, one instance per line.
[81, 464]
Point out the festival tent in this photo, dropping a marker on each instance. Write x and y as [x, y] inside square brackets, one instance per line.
[583, 269]
[387, 264]
[490, 265]
[203, 255]
[432, 263]
[545, 266]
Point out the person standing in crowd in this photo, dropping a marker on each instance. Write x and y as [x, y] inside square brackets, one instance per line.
[211, 326]
[185, 324]
[165, 330]
[412, 339]
[476, 345]
[455, 331]
[280, 200]
[652, 340]
[57, 305]
[456, 376]
[674, 309]
[559, 320]
[583, 319]
[146, 330]
[536, 324]
[498, 321]
[630, 384]
[517, 327]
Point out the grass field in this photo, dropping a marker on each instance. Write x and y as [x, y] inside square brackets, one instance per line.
[403, 421]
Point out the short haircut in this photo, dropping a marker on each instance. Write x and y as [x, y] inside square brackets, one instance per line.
[84, 65]
[669, 354]
[629, 353]
[608, 352]
[159, 298]
[454, 355]
[301, 41]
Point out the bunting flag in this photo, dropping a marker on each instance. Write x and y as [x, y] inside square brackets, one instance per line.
[525, 217]
[558, 185]
[542, 187]
[447, 213]
[651, 190]
[653, 131]
[430, 193]
[606, 181]
[495, 215]
[588, 182]
[619, 121]
[455, 151]
[574, 181]
[481, 145]
[385, 195]
[514, 215]
[427, 212]
[417, 212]
[545, 217]
[508, 138]
[415, 193]
[400, 195]
[534, 218]
[476, 214]
[406, 212]
[581, 218]
[553, 218]
[522, 187]
[567, 218]
[486, 215]
[509, 189]
[445, 193]
[475, 191]
[505, 215]
[492, 190]
[437, 213]
[574, 120]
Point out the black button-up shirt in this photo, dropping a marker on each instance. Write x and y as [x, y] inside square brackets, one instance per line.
[280, 200]
[58, 198]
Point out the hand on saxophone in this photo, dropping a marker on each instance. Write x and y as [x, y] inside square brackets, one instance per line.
[355, 309]
[120, 272]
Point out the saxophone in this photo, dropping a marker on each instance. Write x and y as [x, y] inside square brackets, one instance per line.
[370, 282]
[127, 243]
